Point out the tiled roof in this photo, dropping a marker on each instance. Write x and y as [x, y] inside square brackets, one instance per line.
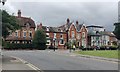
[23, 20]
[11, 38]
[107, 33]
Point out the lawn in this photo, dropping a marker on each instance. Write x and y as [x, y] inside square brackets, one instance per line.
[101, 53]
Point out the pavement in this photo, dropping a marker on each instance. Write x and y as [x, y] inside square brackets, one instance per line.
[14, 64]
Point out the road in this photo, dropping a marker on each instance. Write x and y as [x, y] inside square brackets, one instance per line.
[50, 60]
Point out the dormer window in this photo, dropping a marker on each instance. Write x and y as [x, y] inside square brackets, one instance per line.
[27, 25]
[47, 28]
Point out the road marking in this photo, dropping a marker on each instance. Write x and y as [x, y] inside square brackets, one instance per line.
[29, 64]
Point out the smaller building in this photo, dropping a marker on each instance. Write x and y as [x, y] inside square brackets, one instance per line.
[97, 36]
[108, 38]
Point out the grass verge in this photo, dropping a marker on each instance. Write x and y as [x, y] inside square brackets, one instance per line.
[101, 53]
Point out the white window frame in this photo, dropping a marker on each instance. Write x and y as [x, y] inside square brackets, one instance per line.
[60, 42]
[47, 34]
[29, 34]
[62, 36]
[83, 34]
[49, 42]
[47, 28]
[24, 34]
[16, 33]
[78, 36]
[55, 35]
[73, 34]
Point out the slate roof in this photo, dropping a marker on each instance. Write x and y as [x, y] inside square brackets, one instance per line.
[64, 27]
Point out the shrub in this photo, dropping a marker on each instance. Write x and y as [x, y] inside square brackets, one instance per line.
[39, 40]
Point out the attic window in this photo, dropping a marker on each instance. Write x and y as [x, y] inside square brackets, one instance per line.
[47, 29]
[27, 24]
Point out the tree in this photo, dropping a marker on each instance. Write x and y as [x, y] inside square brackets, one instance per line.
[39, 40]
[117, 30]
[9, 23]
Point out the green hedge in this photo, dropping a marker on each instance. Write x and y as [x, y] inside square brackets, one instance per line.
[40, 46]
[17, 46]
[7, 45]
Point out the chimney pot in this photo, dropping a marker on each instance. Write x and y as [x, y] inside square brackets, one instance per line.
[19, 13]
[77, 22]
[68, 20]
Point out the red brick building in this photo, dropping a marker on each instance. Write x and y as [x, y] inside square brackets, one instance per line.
[26, 33]
[58, 36]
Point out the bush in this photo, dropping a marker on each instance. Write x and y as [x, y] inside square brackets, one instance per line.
[113, 47]
[39, 40]
[17, 46]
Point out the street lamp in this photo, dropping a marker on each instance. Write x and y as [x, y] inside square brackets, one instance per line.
[54, 43]
[3, 1]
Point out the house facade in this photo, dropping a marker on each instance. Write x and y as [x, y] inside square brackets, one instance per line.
[55, 36]
[98, 36]
[69, 32]
[26, 33]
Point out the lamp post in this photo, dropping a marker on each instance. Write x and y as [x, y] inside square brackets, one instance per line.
[54, 43]
[70, 44]
[2, 2]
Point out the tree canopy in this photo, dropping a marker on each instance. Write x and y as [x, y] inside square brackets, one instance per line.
[9, 23]
[39, 40]
[117, 30]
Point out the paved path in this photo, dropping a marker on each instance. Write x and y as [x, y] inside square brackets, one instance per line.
[14, 64]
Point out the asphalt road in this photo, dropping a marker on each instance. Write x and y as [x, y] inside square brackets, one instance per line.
[50, 60]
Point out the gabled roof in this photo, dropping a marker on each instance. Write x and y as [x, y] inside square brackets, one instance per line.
[78, 27]
[66, 27]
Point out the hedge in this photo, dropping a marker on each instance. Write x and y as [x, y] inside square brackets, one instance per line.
[17, 46]
[23, 46]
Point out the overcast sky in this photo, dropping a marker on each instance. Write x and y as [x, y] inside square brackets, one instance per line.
[56, 13]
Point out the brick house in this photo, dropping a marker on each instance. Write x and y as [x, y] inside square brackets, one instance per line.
[55, 36]
[26, 33]
[58, 36]
[76, 32]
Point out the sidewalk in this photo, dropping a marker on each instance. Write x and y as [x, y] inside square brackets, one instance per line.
[87, 56]
[10, 64]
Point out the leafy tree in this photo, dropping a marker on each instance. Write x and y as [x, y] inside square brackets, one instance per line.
[39, 40]
[9, 23]
[117, 30]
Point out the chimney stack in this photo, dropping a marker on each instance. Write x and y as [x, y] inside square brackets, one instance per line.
[40, 27]
[77, 22]
[19, 13]
[68, 20]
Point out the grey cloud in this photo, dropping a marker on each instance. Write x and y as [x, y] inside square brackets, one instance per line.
[55, 13]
